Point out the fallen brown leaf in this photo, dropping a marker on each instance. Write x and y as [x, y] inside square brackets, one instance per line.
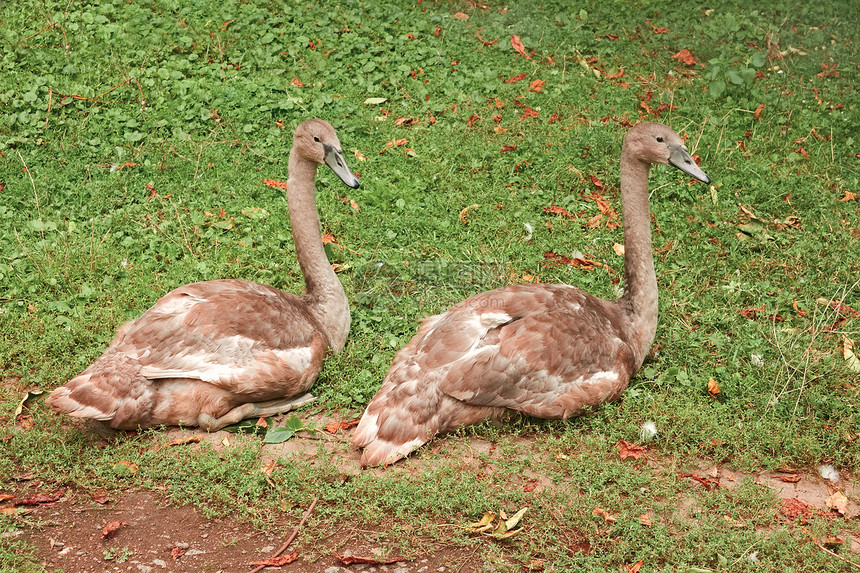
[600, 512]
[278, 561]
[517, 45]
[335, 427]
[837, 502]
[556, 210]
[511, 80]
[42, 498]
[849, 196]
[713, 387]
[111, 528]
[177, 552]
[790, 478]
[645, 520]
[100, 496]
[274, 183]
[536, 86]
[485, 42]
[708, 483]
[635, 567]
[686, 57]
[184, 441]
[628, 450]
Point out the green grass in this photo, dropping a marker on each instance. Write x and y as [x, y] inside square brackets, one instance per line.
[134, 138]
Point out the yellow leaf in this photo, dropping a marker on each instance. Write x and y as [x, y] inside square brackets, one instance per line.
[515, 518]
[837, 501]
[619, 249]
[713, 387]
[848, 353]
[485, 524]
[600, 512]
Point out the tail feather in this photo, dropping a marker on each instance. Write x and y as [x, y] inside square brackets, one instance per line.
[81, 399]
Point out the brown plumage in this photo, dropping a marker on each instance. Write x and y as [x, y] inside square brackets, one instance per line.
[213, 353]
[543, 350]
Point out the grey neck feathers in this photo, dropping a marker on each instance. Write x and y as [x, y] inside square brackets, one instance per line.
[327, 298]
[640, 293]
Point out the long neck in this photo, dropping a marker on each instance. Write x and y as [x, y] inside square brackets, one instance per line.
[640, 293]
[328, 299]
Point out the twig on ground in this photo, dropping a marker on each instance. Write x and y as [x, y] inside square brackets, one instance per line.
[292, 536]
[836, 555]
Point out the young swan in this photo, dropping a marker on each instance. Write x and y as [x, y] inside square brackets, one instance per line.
[544, 350]
[213, 353]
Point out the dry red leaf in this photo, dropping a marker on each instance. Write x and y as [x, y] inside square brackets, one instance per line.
[752, 312]
[802, 152]
[335, 427]
[152, 192]
[597, 182]
[406, 121]
[328, 238]
[628, 450]
[100, 496]
[800, 312]
[612, 37]
[660, 30]
[512, 80]
[517, 45]
[351, 559]
[529, 112]
[536, 86]
[758, 110]
[580, 263]
[297, 83]
[507, 148]
[111, 528]
[740, 143]
[184, 441]
[471, 121]
[600, 512]
[25, 421]
[713, 387]
[274, 183]
[554, 118]
[42, 498]
[556, 210]
[790, 478]
[530, 485]
[461, 16]
[436, 32]
[849, 196]
[278, 561]
[177, 552]
[686, 57]
[635, 567]
[795, 509]
[485, 42]
[708, 483]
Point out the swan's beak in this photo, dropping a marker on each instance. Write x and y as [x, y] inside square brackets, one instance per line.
[680, 158]
[334, 159]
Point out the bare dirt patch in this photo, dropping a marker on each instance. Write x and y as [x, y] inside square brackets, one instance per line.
[152, 535]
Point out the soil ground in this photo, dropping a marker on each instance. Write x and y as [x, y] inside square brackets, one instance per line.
[155, 536]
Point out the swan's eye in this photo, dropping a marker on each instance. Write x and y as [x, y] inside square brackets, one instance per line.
[317, 139]
[659, 139]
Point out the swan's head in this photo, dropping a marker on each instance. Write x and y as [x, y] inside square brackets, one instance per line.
[316, 140]
[656, 143]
